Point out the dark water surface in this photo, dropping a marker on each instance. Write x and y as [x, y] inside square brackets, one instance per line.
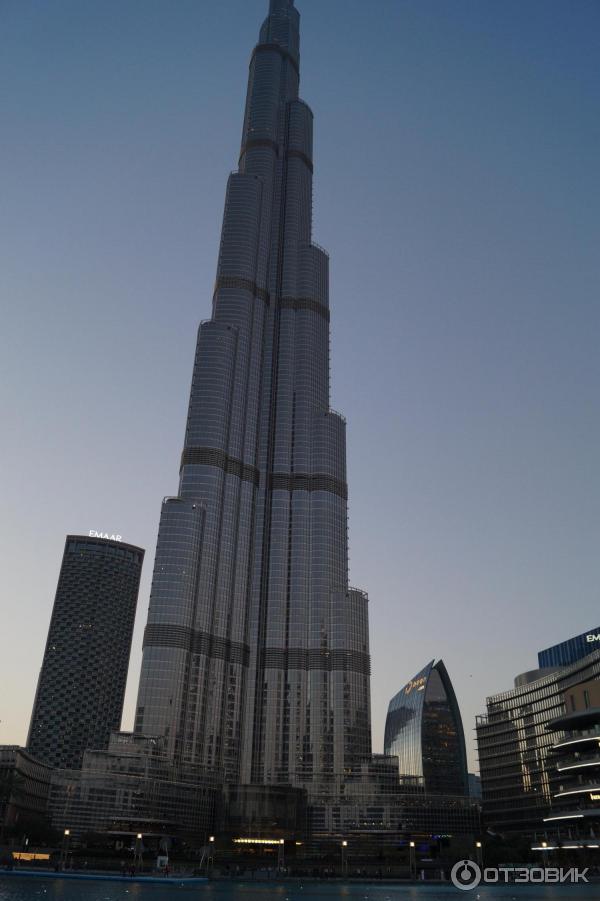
[16, 888]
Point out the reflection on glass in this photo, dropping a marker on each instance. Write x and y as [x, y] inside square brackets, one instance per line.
[424, 731]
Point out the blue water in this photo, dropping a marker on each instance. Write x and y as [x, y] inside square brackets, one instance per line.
[15, 888]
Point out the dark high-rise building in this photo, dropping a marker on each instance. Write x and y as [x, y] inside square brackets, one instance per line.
[256, 650]
[424, 731]
[571, 650]
[79, 698]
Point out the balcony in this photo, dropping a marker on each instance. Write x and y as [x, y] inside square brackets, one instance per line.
[575, 818]
[580, 788]
[579, 761]
[572, 738]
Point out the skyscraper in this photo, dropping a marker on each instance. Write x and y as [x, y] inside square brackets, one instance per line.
[256, 651]
[424, 730]
[79, 698]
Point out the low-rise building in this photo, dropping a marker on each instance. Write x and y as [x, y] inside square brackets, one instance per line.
[515, 745]
[24, 787]
[573, 821]
[379, 811]
[134, 788]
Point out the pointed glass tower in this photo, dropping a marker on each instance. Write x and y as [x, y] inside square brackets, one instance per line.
[256, 651]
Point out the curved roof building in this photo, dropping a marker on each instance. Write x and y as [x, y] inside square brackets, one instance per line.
[424, 730]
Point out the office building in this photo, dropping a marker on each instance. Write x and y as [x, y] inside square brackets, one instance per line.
[79, 698]
[474, 786]
[424, 731]
[570, 651]
[573, 821]
[134, 787]
[24, 787]
[256, 649]
[378, 810]
[515, 745]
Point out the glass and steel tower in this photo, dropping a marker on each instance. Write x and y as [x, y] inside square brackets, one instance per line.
[79, 698]
[424, 730]
[256, 651]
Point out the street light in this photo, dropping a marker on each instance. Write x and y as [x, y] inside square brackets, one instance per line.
[138, 859]
[344, 861]
[413, 860]
[65, 847]
[479, 847]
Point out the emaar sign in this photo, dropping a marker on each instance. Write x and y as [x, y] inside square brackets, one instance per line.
[592, 637]
[105, 535]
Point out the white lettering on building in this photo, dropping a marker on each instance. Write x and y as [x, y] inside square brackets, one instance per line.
[105, 535]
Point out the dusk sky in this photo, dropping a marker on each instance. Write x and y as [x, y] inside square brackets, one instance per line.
[457, 192]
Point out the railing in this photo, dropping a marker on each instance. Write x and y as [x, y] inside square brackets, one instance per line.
[574, 761]
[574, 738]
[579, 788]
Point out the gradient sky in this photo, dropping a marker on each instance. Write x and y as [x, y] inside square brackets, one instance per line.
[457, 191]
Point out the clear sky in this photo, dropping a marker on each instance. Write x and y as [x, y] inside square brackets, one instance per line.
[457, 190]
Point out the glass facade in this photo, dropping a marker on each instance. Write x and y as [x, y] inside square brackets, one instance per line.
[424, 731]
[134, 787]
[256, 652]
[376, 808]
[271, 811]
[570, 651]
[81, 687]
[515, 746]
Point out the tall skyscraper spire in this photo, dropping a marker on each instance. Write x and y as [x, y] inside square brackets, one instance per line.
[256, 651]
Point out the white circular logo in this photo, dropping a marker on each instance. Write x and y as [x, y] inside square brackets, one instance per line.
[465, 875]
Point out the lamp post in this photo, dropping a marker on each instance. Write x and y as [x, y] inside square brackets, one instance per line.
[281, 854]
[479, 849]
[211, 853]
[138, 860]
[344, 860]
[65, 848]
[413, 860]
